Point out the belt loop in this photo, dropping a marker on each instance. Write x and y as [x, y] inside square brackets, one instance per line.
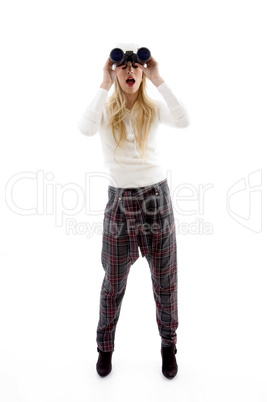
[120, 192]
[156, 190]
[160, 189]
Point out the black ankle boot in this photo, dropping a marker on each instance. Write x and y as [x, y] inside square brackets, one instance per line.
[169, 365]
[103, 365]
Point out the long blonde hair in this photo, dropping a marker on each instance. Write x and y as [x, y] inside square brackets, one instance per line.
[147, 111]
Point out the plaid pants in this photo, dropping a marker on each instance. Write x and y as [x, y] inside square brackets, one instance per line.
[138, 217]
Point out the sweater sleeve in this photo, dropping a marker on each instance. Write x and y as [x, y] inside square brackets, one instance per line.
[172, 112]
[90, 121]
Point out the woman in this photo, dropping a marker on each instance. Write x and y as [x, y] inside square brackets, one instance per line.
[139, 209]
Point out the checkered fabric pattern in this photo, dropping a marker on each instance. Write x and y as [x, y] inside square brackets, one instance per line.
[138, 217]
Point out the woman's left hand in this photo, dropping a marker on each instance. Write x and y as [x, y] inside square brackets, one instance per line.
[152, 70]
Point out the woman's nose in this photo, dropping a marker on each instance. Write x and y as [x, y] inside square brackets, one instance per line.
[130, 67]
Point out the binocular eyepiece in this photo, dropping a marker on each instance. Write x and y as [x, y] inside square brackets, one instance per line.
[118, 57]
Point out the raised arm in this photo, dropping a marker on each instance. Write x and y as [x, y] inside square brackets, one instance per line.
[173, 112]
[90, 121]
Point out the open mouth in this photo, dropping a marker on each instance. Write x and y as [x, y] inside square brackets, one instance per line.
[130, 82]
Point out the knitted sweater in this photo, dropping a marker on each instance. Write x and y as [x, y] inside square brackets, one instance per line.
[130, 170]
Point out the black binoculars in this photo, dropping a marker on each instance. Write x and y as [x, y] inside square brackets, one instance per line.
[118, 57]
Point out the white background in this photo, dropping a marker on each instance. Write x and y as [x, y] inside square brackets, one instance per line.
[213, 56]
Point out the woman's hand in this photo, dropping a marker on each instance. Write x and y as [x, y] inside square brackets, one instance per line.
[109, 74]
[152, 71]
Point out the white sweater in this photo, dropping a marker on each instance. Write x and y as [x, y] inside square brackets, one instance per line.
[131, 171]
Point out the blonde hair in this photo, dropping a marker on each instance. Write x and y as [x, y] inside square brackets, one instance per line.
[146, 108]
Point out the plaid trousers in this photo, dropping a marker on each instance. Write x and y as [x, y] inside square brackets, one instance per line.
[138, 217]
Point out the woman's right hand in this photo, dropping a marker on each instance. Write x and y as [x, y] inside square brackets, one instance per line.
[109, 75]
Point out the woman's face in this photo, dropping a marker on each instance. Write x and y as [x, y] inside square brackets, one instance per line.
[124, 73]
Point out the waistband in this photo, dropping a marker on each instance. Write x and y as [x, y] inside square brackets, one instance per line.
[156, 188]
